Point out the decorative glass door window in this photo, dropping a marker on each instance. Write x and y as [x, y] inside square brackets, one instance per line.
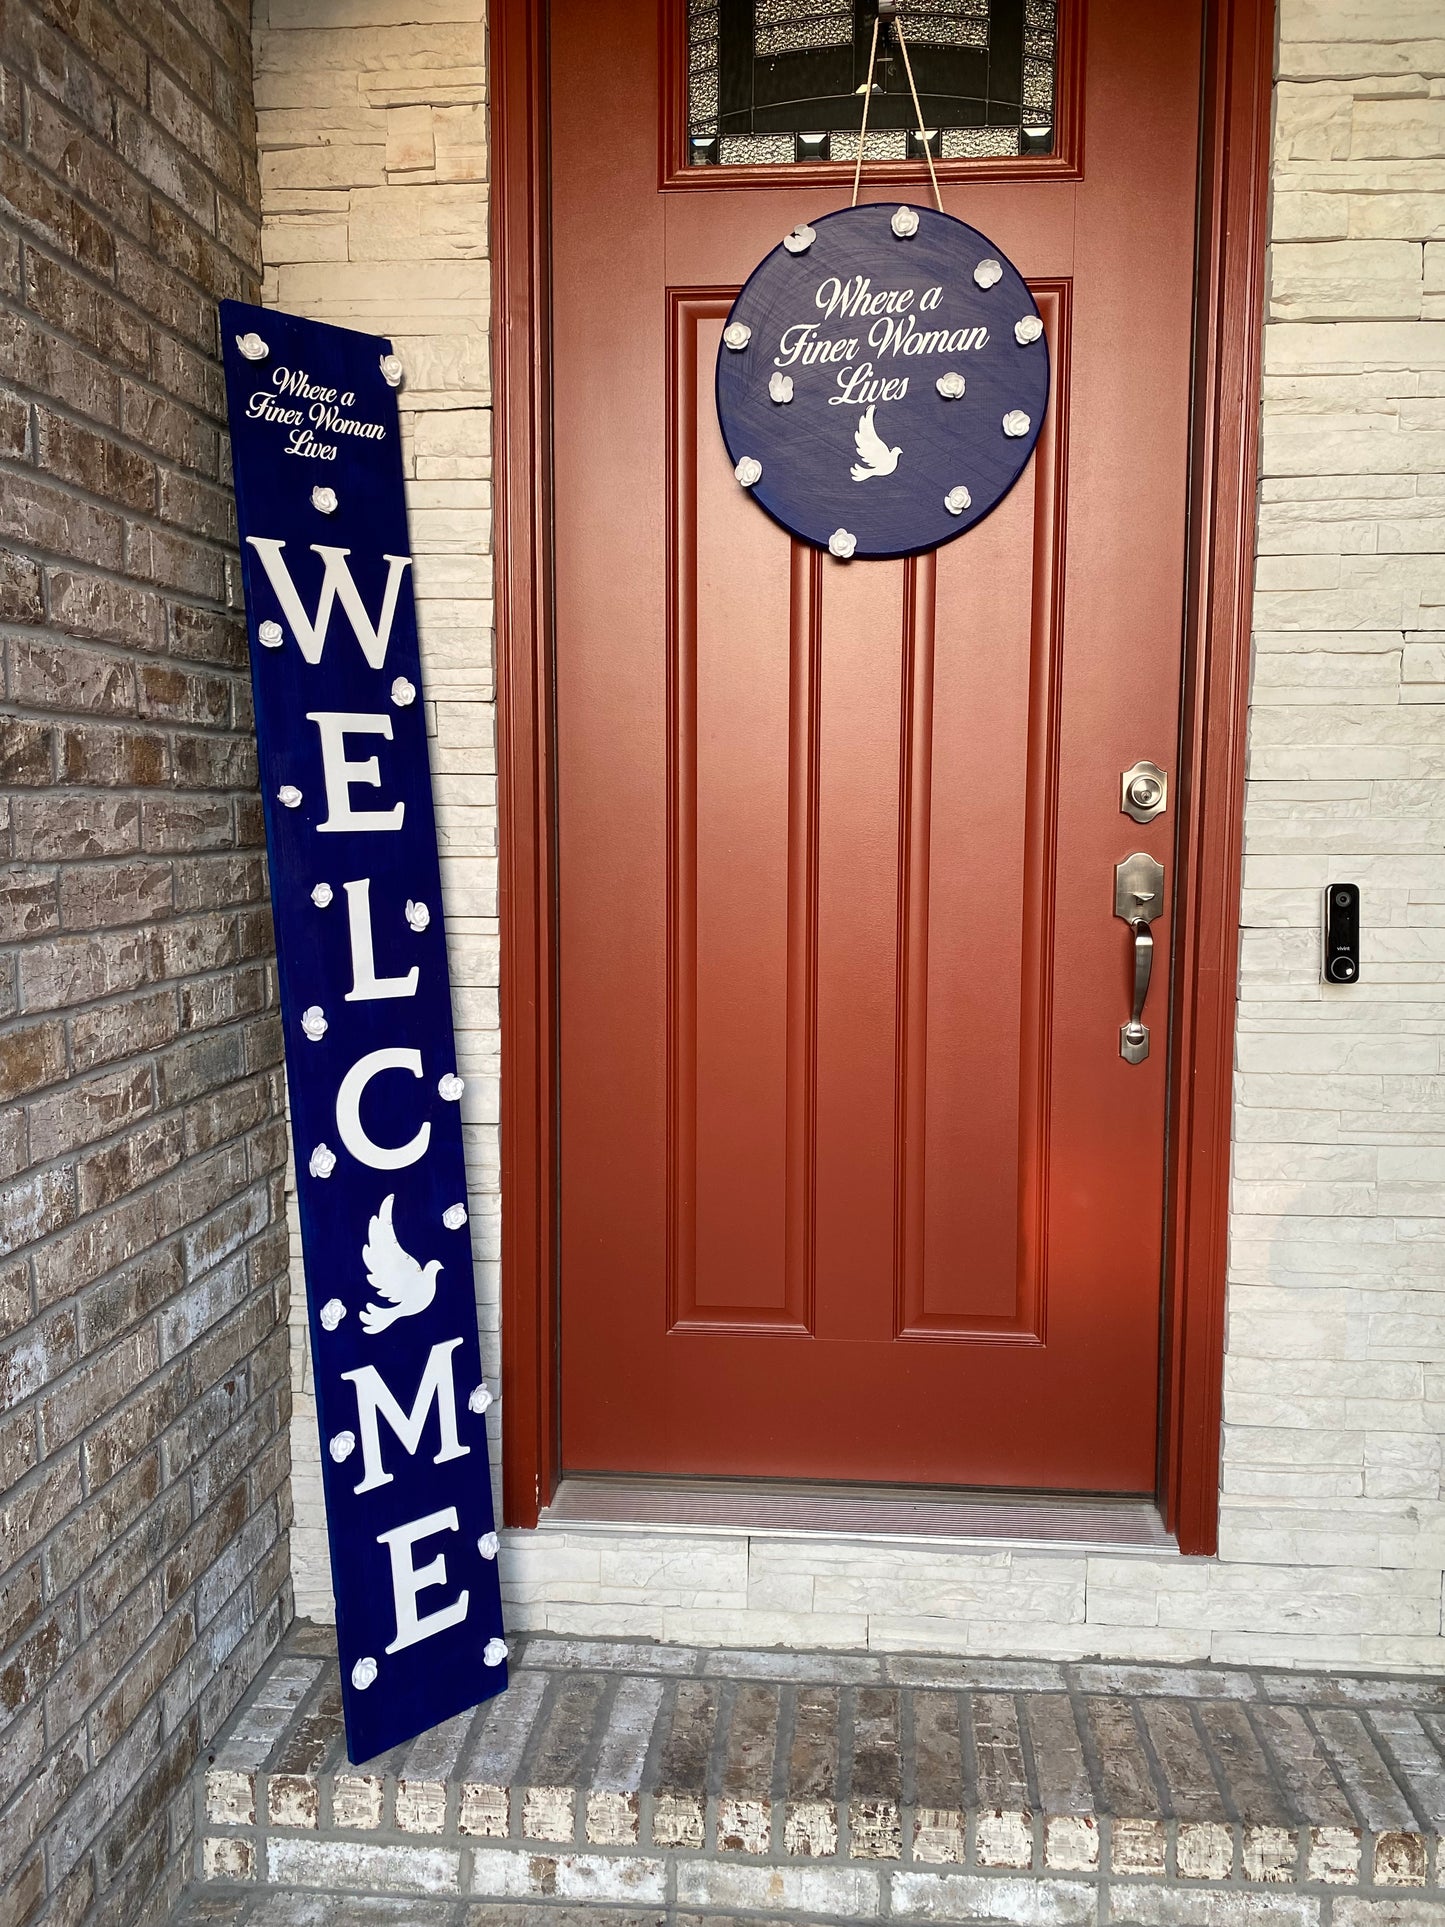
[782, 80]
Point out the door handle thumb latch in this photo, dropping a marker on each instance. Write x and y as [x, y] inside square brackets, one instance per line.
[1138, 899]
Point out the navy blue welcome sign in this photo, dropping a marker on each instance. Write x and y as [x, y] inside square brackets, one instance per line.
[881, 380]
[366, 1012]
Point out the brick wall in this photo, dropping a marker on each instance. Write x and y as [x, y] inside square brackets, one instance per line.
[143, 1452]
[1333, 1539]
[372, 132]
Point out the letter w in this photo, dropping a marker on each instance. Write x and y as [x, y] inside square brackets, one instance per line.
[374, 1400]
[337, 585]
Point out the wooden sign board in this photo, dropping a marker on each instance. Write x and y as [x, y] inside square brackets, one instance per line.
[882, 380]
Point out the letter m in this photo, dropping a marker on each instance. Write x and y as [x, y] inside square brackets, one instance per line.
[337, 585]
[375, 1402]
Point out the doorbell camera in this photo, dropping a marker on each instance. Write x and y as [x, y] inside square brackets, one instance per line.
[1342, 933]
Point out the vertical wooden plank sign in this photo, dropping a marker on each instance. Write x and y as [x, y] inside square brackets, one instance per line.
[366, 1011]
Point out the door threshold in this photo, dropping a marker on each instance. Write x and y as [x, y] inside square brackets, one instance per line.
[1040, 1521]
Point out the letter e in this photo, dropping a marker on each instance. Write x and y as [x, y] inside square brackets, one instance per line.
[408, 1580]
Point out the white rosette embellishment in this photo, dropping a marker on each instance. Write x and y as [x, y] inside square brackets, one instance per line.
[270, 634]
[288, 796]
[363, 1674]
[454, 1217]
[842, 544]
[988, 273]
[951, 385]
[313, 1022]
[957, 500]
[1016, 423]
[737, 335]
[489, 1545]
[391, 370]
[417, 915]
[322, 895]
[749, 470]
[904, 223]
[252, 347]
[332, 1313]
[1027, 330]
[494, 1652]
[800, 240]
[324, 500]
[403, 693]
[342, 1446]
[780, 386]
[480, 1399]
[451, 1087]
[323, 1161]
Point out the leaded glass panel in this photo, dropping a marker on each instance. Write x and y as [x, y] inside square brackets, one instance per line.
[782, 80]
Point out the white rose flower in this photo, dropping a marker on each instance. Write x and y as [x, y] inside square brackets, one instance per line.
[951, 385]
[489, 1545]
[252, 347]
[737, 334]
[749, 470]
[324, 499]
[391, 370]
[454, 1217]
[363, 1674]
[288, 796]
[480, 1399]
[800, 240]
[988, 273]
[342, 1446]
[842, 544]
[451, 1087]
[322, 895]
[494, 1652]
[323, 1161]
[271, 635]
[1016, 423]
[417, 915]
[1027, 330]
[780, 386]
[313, 1022]
[904, 223]
[957, 500]
[403, 693]
[332, 1313]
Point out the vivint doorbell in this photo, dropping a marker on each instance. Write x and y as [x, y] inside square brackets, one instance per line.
[1342, 933]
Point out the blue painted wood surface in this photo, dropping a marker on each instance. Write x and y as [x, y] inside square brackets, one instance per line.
[287, 442]
[866, 315]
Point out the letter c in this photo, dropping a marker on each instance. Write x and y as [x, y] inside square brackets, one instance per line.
[348, 1111]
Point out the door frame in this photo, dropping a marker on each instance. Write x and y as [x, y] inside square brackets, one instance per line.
[1229, 301]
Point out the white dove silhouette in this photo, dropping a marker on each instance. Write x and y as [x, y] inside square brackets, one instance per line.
[393, 1274]
[874, 455]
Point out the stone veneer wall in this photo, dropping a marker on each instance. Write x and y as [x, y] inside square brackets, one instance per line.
[143, 1455]
[1333, 1540]
[372, 134]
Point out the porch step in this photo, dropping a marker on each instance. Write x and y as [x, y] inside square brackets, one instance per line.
[674, 1784]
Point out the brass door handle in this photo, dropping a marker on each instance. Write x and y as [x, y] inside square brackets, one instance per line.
[1138, 899]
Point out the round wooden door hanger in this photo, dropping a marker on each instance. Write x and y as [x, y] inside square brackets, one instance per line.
[881, 380]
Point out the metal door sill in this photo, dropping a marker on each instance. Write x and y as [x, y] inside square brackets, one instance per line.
[1049, 1522]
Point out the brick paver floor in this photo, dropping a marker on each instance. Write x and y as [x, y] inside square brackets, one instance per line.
[627, 1783]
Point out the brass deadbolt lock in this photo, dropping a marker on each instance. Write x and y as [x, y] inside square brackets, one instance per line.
[1143, 792]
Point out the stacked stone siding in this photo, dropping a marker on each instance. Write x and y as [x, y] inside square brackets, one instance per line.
[143, 1395]
[1333, 1530]
[372, 133]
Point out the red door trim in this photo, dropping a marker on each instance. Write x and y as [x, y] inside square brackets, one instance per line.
[522, 547]
[1229, 319]
[1234, 183]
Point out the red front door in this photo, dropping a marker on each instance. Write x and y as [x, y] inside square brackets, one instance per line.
[855, 1183]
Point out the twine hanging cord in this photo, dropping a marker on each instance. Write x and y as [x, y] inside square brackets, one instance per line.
[891, 11]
